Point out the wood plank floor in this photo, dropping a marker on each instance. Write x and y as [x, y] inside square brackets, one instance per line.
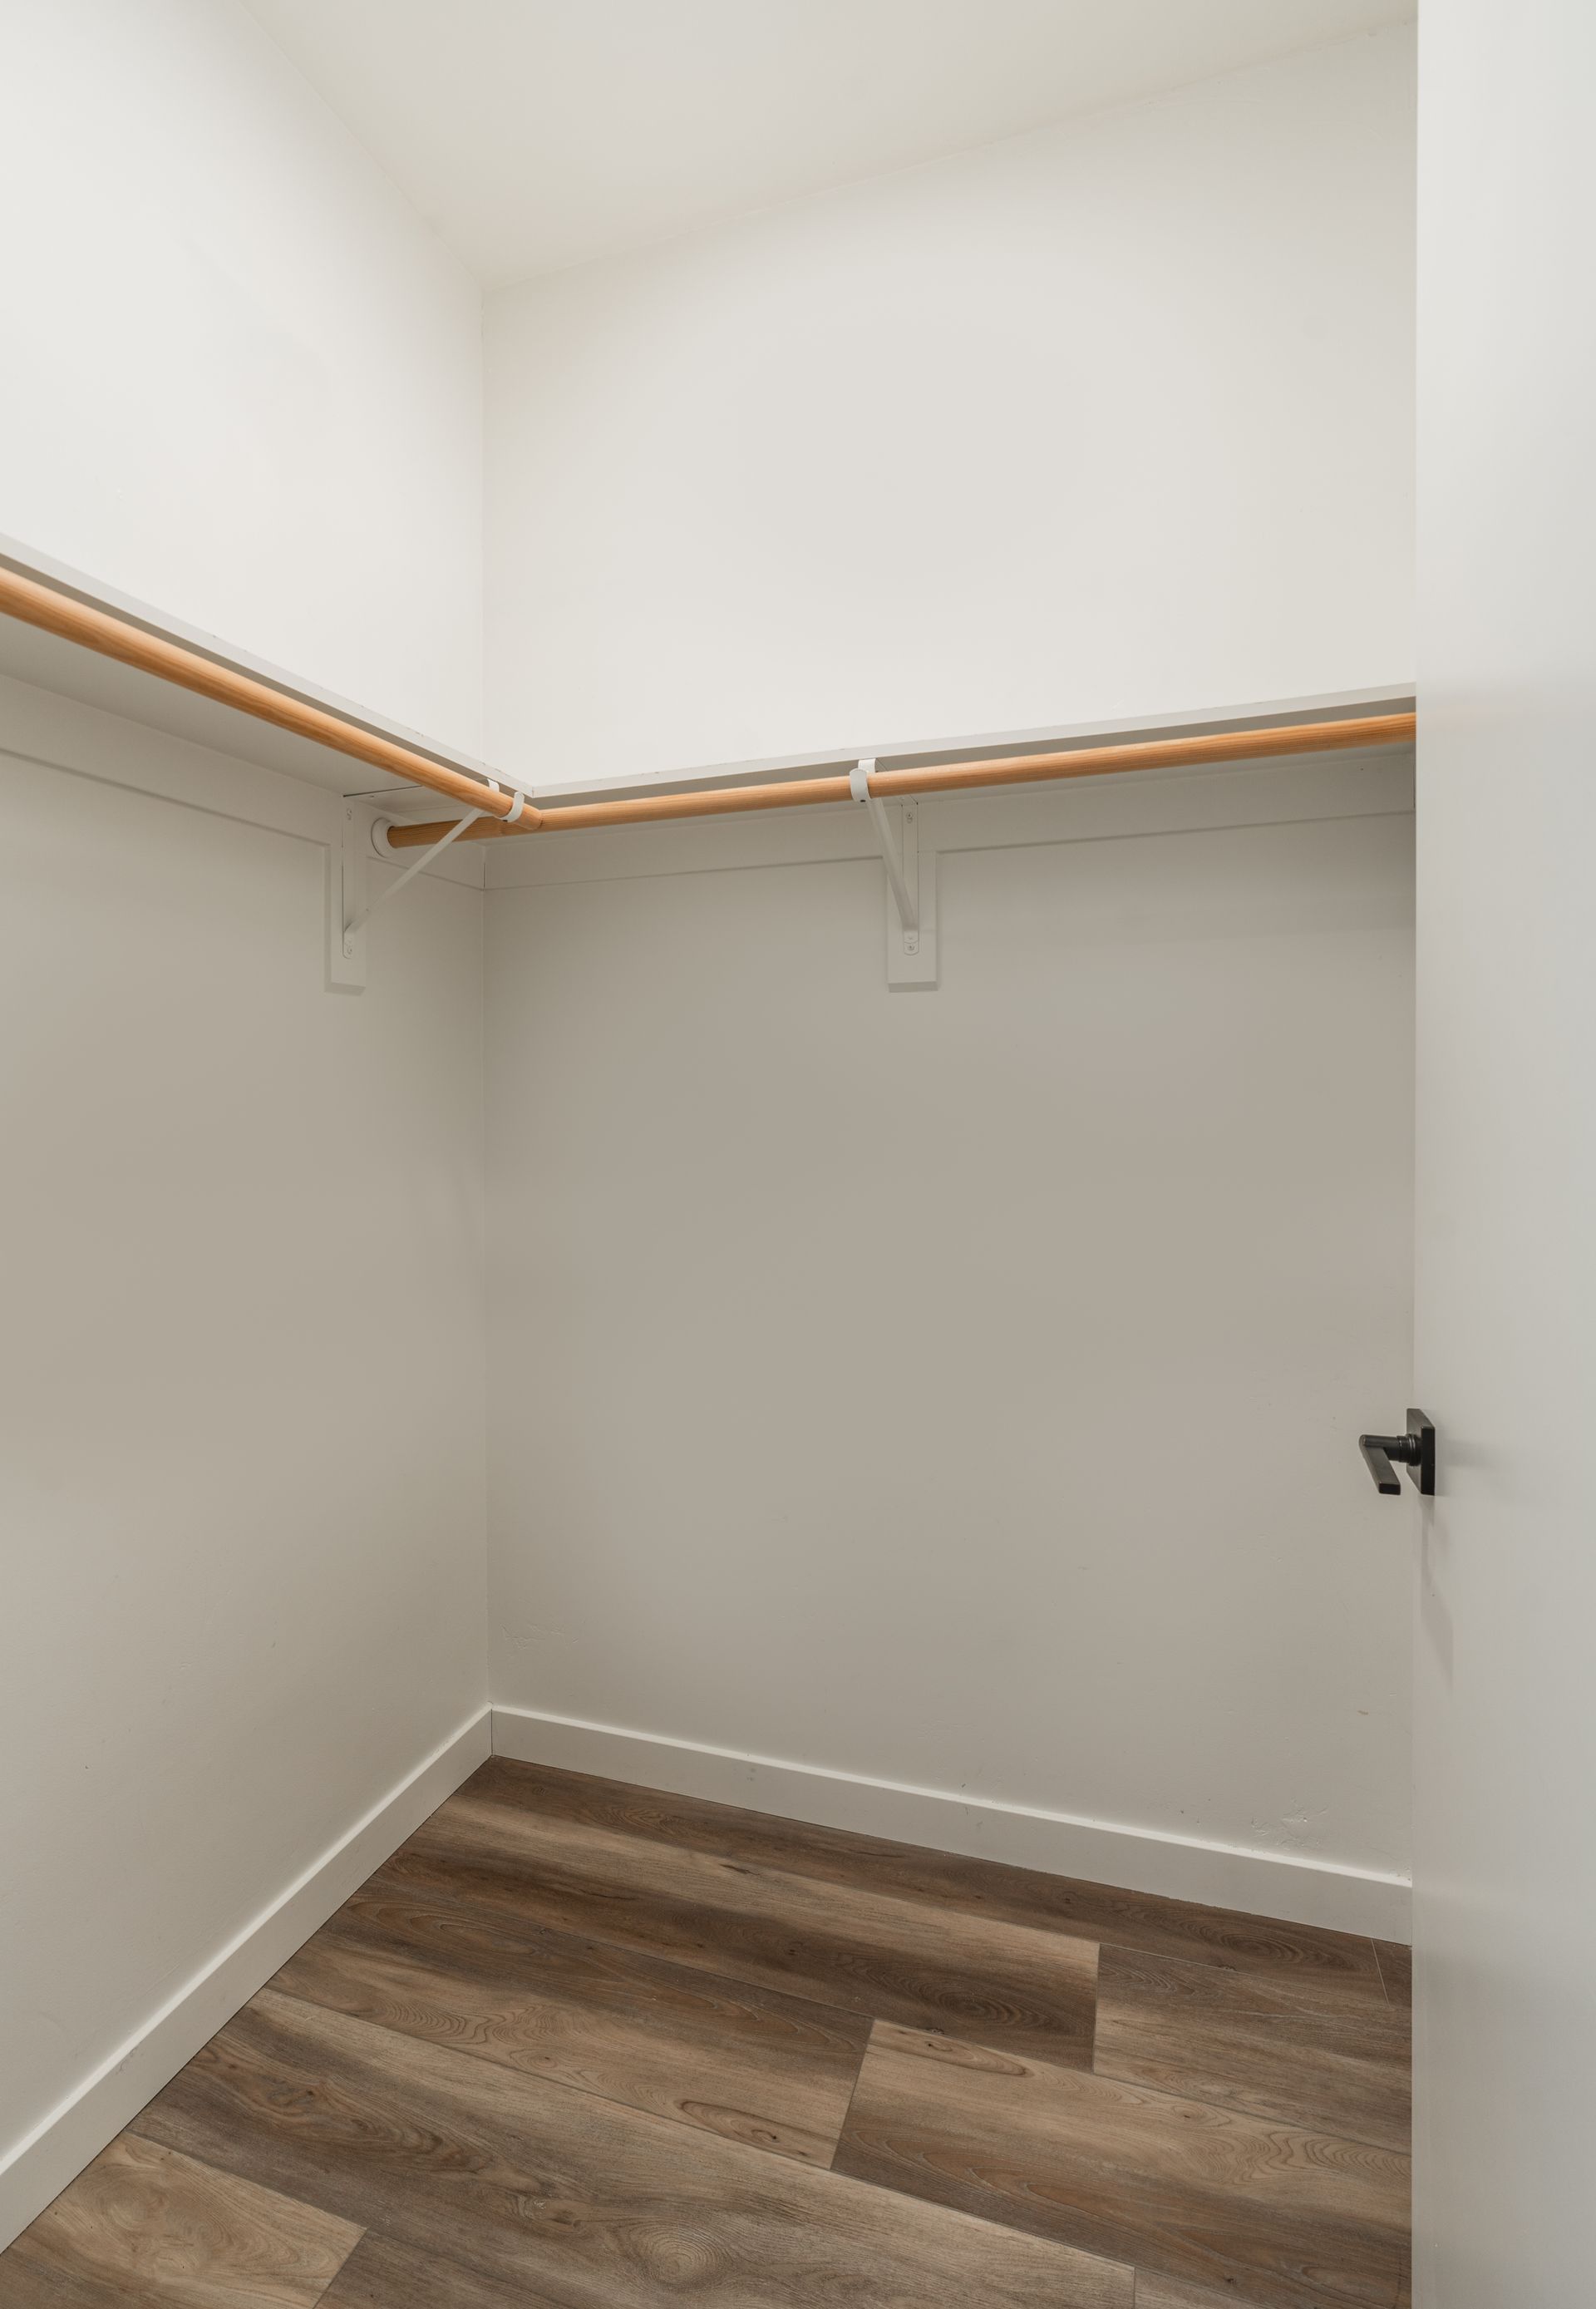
[584, 2046]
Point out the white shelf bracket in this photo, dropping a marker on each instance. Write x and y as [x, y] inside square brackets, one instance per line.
[911, 885]
[349, 908]
[346, 898]
[379, 842]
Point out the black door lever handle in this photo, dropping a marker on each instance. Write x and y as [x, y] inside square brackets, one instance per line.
[1415, 1450]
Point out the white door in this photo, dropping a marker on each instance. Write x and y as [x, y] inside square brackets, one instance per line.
[1506, 1791]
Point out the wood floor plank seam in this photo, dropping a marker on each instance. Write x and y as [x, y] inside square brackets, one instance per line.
[1231, 2108]
[748, 2061]
[1222, 2108]
[848, 2112]
[128, 2229]
[1286, 2218]
[587, 2092]
[1153, 2092]
[865, 2181]
[612, 2100]
[542, 2299]
[1344, 2076]
[1226, 2109]
[870, 1952]
[328, 2105]
[445, 1903]
[943, 1881]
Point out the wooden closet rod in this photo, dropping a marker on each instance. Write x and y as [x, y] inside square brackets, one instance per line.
[56, 612]
[112, 636]
[947, 777]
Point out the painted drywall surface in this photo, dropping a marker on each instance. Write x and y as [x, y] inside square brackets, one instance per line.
[486, 115]
[962, 1388]
[1505, 1851]
[1108, 421]
[239, 379]
[242, 1463]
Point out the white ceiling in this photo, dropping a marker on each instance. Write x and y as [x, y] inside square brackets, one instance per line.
[538, 133]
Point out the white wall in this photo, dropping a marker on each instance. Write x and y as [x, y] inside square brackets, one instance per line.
[1108, 421]
[239, 379]
[242, 1463]
[960, 1388]
[244, 1459]
[1504, 1861]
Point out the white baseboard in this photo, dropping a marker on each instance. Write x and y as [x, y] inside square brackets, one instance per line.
[40, 2165]
[1139, 1860]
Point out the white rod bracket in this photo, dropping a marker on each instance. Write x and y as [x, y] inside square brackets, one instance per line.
[356, 922]
[908, 900]
[349, 909]
[346, 898]
[911, 885]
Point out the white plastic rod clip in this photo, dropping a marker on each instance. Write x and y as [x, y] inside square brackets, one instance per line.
[511, 815]
[858, 785]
